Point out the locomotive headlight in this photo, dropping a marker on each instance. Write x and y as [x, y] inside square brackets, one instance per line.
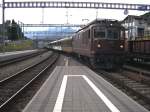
[121, 46]
[99, 45]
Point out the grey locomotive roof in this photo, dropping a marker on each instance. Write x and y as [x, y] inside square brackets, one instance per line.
[101, 22]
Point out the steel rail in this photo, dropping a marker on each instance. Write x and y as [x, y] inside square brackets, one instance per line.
[14, 60]
[3, 107]
[21, 71]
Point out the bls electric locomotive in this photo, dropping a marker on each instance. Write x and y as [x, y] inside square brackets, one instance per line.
[100, 42]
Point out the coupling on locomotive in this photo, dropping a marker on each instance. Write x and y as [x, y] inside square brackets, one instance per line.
[101, 43]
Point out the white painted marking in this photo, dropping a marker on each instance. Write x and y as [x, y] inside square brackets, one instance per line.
[60, 98]
[102, 96]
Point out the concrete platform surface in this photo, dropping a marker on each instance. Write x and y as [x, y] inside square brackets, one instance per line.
[79, 89]
[11, 55]
[15, 52]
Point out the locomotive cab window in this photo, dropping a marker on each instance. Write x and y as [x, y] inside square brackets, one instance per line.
[99, 32]
[113, 34]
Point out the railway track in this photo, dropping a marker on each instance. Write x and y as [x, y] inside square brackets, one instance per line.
[144, 66]
[135, 84]
[137, 75]
[11, 61]
[14, 86]
[136, 89]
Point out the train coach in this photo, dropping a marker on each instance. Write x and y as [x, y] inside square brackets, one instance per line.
[137, 38]
[100, 42]
[62, 45]
[139, 50]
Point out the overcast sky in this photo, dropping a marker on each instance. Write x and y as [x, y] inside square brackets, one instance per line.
[58, 16]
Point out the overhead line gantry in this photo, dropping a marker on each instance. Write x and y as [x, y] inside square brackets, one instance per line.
[65, 4]
[62, 4]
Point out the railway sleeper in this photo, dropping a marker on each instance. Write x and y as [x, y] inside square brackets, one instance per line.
[120, 77]
[142, 90]
[138, 94]
[138, 78]
[126, 80]
[135, 85]
[146, 93]
[130, 81]
[130, 88]
[137, 70]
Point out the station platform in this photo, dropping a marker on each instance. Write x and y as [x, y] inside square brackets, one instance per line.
[79, 89]
[10, 55]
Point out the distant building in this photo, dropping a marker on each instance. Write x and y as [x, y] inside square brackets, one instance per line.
[136, 27]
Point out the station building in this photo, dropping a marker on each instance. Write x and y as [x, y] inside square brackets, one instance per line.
[137, 27]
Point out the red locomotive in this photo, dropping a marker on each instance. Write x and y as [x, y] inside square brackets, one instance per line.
[100, 42]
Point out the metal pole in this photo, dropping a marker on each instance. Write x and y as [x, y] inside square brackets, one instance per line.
[3, 24]
[21, 24]
[23, 29]
[42, 15]
[96, 13]
[67, 16]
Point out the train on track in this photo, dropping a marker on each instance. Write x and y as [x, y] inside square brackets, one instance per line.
[138, 50]
[137, 38]
[101, 43]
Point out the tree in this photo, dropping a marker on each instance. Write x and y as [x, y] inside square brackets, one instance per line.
[14, 35]
[14, 31]
[8, 28]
